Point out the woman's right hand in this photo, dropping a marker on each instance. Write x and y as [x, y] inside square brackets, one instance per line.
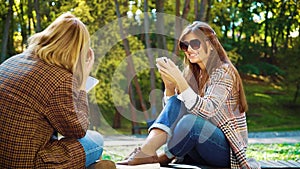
[170, 85]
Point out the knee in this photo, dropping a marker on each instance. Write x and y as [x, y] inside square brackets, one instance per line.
[186, 123]
[189, 117]
[189, 122]
[174, 104]
[96, 137]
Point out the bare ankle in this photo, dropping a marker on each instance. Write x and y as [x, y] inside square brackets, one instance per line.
[148, 150]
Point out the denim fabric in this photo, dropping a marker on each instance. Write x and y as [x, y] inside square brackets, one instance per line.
[192, 138]
[92, 144]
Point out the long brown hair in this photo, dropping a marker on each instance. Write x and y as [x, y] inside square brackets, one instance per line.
[196, 77]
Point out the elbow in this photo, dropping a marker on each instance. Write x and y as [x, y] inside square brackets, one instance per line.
[81, 131]
[80, 134]
[77, 131]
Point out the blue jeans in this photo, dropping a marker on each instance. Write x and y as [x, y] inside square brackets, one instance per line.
[191, 138]
[92, 144]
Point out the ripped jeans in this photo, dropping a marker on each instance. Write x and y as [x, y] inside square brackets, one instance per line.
[191, 138]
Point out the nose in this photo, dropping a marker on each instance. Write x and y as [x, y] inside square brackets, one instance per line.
[189, 49]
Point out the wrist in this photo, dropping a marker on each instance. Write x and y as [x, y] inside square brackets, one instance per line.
[170, 92]
[182, 85]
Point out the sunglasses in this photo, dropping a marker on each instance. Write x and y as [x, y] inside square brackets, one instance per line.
[195, 44]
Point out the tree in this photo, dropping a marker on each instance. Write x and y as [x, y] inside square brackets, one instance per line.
[38, 15]
[150, 55]
[6, 31]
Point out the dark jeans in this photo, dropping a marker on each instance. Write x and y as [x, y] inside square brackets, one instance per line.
[192, 138]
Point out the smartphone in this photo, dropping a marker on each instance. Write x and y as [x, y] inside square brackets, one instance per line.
[91, 83]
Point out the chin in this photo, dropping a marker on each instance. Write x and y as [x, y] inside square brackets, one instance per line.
[194, 60]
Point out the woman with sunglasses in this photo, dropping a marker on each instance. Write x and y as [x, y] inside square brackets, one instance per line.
[203, 120]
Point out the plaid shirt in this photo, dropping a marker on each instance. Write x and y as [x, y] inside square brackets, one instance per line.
[37, 100]
[218, 106]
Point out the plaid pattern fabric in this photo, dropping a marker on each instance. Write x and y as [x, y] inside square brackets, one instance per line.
[218, 106]
[37, 100]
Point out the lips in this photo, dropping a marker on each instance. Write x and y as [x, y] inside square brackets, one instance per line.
[192, 55]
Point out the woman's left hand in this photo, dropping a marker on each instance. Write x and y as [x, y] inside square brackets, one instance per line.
[168, 68]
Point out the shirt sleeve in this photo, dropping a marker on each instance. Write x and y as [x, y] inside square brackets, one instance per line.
[188, 97]
[215, 97]
[68, 111]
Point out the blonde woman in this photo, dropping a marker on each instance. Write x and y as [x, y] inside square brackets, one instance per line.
[42, 93]
[203, 120]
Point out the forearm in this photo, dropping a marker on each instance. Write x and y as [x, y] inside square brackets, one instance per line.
[182, 84]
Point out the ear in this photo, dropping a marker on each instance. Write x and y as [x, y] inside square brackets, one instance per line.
[88, 56]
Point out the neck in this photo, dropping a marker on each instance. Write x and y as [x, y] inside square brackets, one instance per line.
[201, 65]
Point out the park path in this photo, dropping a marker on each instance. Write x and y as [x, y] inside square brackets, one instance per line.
[122, 145]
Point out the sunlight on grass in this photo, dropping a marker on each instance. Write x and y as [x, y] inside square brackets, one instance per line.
[274, 151]
[256, 151]
[262, 95]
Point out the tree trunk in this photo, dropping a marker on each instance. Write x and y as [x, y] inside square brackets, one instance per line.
[131, 71]
[178, 28]
[209, 3]
[179, 24]
[196, 12]
[117, 120]
[38, 16]
[297, 91]
[30, 17]
[266, 29]
[202, 10]
[150, 53]
[186, 9]
[161, 40]
[6, 31]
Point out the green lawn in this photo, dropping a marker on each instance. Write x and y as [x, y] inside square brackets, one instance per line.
[271, 108]
[274, 151]
[256, 151]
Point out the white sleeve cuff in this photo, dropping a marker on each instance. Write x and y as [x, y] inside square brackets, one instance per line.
[166, 98]
[188, 97]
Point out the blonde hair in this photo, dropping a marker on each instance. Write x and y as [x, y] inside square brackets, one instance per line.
[193, 71]
[64, 43]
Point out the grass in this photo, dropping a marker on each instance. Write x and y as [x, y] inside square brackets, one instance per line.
[271, 108]
[274, 151]
[259, 152]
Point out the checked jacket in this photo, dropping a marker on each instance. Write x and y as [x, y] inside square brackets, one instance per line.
[36, 100]
[219, 106]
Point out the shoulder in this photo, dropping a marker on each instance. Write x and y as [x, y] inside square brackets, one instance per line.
[46, 76]
[224, 71]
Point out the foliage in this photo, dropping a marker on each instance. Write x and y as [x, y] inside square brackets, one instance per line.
[261, 68]
[260, 37]
[267, 102]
